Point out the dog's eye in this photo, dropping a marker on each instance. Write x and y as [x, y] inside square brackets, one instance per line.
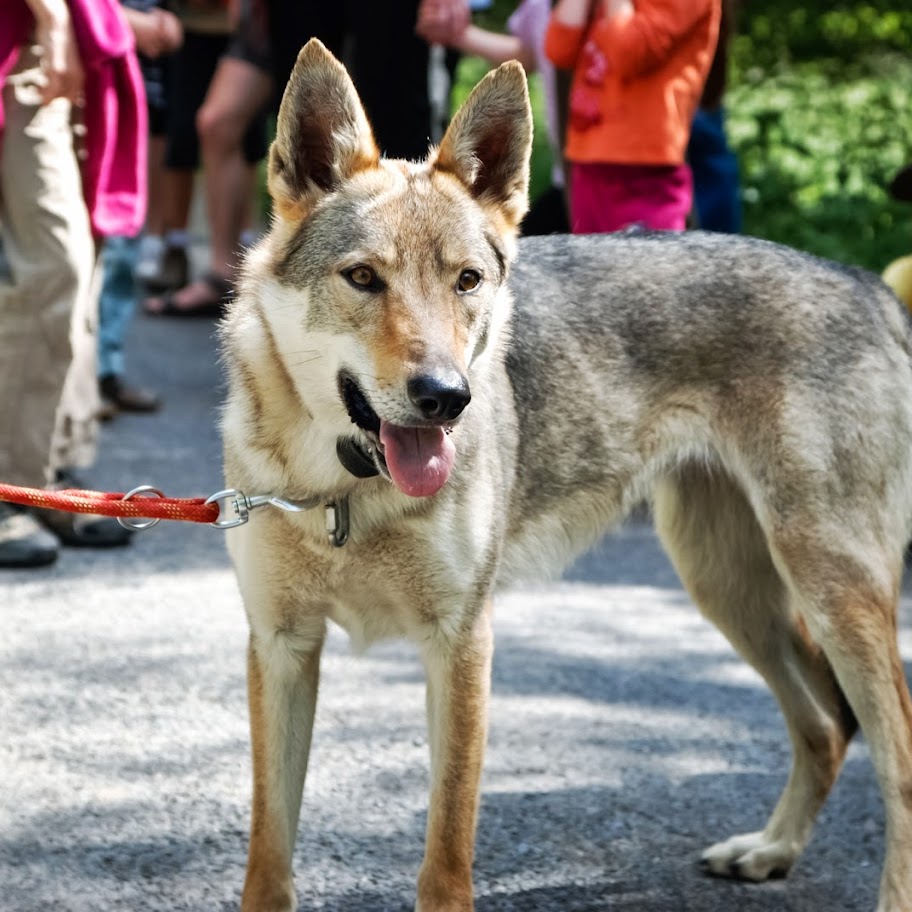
[364, 277]
[469, 280]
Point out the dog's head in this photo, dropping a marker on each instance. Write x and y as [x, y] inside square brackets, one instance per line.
[392, 274]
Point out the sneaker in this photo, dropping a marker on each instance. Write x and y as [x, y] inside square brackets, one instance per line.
[23, 543]
[175, 268]
[169, 270]
[148, 258]
[116, 397]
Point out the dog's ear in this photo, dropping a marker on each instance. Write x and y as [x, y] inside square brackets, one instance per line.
[489, 142]
[322, 133]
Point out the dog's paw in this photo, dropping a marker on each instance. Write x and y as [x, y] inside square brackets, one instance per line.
[453, 904]
[443, 892]
[269, 895]
[752, 856]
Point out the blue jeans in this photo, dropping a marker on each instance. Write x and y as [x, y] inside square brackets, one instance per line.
[116, 304]
[717, 192]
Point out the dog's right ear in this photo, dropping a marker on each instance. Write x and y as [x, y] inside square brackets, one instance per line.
[489, 142]
[322, 134]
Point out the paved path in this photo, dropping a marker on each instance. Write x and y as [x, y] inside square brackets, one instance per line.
[625, 735]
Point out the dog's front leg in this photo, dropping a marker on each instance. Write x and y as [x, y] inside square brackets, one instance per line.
[459, 674]
[282, 692]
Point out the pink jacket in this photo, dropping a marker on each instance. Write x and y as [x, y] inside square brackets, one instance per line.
[114, 172]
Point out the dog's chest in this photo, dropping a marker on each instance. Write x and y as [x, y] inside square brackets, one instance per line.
[373, 602]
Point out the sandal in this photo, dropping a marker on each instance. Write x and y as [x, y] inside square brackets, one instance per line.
[221, 292]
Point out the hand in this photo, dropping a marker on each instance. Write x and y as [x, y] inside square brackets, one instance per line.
[156, 32]
[60, 61]
[442, 21]
[234, 14]
[170, 30]
[574, 13]
[618, 9]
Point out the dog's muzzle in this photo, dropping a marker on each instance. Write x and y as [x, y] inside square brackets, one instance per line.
[417, 456]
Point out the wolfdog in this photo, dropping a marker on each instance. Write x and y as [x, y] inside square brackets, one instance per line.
[472, 407]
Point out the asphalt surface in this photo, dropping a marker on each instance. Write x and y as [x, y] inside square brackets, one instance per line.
[625, 734]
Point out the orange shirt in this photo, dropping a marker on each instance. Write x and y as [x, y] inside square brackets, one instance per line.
[636, 81]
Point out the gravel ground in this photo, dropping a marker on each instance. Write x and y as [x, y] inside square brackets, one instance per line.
[625, 734]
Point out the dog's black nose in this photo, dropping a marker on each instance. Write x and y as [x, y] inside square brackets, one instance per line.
[440, 397]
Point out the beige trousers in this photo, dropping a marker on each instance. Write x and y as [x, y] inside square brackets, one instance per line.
[48, 307]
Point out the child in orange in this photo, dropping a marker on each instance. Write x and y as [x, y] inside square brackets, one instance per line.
[639, 69]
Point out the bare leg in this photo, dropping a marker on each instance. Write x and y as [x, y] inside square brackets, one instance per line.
[155, 223]
[177, 192]
[237, 93]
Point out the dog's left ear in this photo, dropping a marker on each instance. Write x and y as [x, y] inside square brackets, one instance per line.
[489, 142]
[322, 133]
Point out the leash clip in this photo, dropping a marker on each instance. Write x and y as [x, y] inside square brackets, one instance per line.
[235, 506]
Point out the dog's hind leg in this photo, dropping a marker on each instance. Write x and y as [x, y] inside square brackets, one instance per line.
[458, 685]
[282, 680]
[848, 592]
[721, 555]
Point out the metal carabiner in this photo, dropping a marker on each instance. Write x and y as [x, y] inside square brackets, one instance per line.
[241, 505]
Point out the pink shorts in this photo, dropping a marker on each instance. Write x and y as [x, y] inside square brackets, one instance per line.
[609, 197]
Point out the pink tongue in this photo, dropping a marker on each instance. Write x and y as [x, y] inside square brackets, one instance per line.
[419, 459]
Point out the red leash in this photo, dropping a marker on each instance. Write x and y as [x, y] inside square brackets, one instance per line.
[193, 509]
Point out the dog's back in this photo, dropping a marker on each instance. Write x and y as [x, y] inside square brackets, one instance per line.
[634, 353]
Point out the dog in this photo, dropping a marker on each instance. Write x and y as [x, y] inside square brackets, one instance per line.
[470, 408]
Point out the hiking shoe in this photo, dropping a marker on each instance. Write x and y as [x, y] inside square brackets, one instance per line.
[23, 543]
[82, 530]
[163, 269]
[175, 268]
[149, 253]
[116, 397]
[172, 272]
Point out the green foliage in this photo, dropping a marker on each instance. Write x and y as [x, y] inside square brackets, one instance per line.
[771, 33]
[816, 150]
[820, 114]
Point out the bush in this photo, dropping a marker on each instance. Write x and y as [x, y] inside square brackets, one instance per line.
[819, 114]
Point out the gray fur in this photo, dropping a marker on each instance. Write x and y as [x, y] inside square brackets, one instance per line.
[621, 325]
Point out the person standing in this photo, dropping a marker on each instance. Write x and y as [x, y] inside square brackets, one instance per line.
[639, 67]
[385, 45]
[158, 34]
[53, 53]
[525, 41]
[717, 183]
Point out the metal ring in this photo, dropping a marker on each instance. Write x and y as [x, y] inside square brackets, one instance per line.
[135, 523]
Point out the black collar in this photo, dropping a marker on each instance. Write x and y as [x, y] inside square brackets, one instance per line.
[355, 458]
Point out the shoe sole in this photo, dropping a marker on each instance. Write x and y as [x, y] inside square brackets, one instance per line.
[44, 559]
